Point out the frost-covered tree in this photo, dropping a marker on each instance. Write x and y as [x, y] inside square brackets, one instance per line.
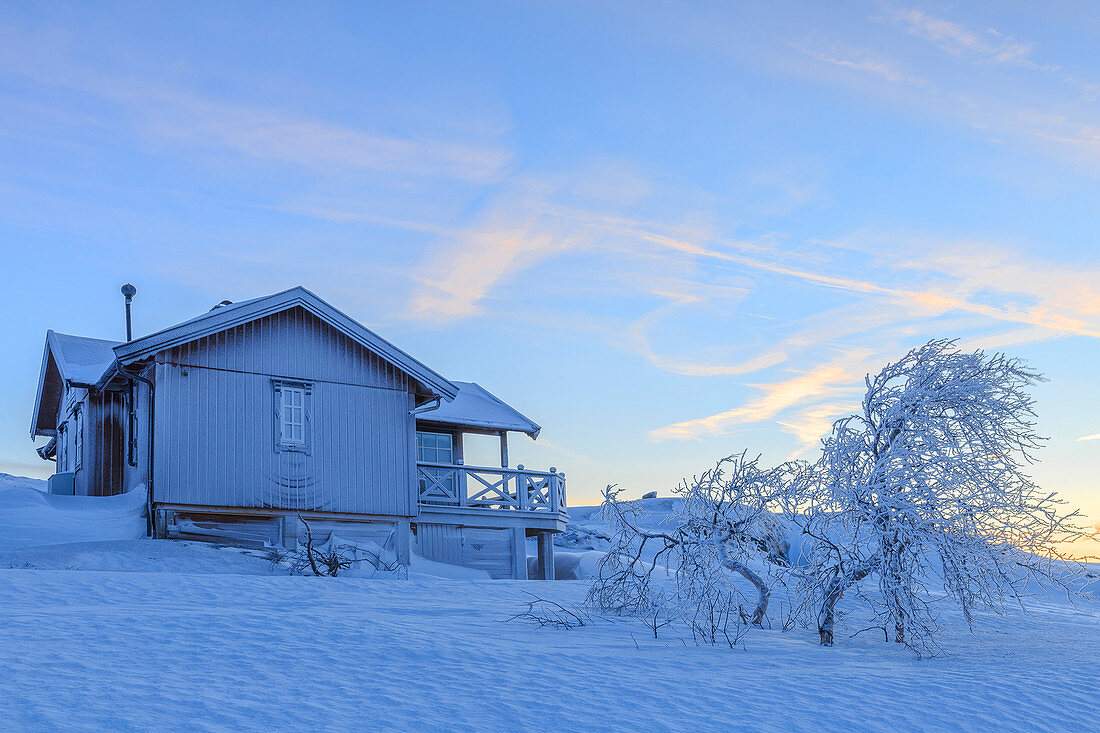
[723, 526]
[925, 489]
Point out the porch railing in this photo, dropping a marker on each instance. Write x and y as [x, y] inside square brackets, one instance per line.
[447, 484]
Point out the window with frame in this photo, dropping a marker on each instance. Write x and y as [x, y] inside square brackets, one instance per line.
[293, 408]
[131, 426]
[78, 430]
[438, 485]
[63, 447]
[434, 447]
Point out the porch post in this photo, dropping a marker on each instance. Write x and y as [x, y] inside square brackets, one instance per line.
[546, 555]
[504, 449]
[523, 490]
[519, 553]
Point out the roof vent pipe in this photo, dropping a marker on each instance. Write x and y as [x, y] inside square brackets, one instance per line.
[128, 292]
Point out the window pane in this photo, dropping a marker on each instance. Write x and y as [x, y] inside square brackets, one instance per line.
[292, 415]
[434, 447]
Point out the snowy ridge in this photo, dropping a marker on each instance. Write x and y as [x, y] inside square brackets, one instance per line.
[8, 481]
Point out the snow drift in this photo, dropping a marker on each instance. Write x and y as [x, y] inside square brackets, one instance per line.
[32, 518]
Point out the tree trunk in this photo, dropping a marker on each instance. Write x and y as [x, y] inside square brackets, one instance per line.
[894, 577]
[763, 591]
[826, 618]
[309, 547]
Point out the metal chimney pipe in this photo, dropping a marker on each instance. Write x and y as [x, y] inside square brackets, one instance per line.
[128, 292]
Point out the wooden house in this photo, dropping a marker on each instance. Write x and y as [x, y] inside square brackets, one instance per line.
[241, 420]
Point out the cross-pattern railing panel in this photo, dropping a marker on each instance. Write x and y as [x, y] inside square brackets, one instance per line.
[538, 490]
[438, 484]
[491, 488]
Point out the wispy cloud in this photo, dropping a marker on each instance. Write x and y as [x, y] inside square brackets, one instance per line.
[995, 294]
[985, 286]
[276, 135]
[1094, 436]
[170, 113]
[689, 297]
[1046, 314]
[998, 94]
[811, 424]
[528, 220]
[989, 46]
[894, 288]
[864, 61]
[1009, 285]
[466, 271]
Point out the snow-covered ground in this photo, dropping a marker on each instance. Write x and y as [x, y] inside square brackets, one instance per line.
[29, 516]
[136, 634]
[107, 649]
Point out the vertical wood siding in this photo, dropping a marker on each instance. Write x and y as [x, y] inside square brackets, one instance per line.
[439, 542]
[102, 440]
[491, 550]
[295, 344]
[105, 444]
[215, 422]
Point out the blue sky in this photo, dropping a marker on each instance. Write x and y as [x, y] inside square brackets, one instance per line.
[665, 231]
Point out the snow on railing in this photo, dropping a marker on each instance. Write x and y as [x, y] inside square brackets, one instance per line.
[449, 484]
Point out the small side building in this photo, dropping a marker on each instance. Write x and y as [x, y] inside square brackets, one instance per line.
[255, 413]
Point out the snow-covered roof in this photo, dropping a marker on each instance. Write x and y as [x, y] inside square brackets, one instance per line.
[81, 359]
[66, 358]
[476, 407]
[227, 316]
[89, 361]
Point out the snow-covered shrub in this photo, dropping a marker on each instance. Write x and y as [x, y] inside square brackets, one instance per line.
[725, 523]
[624, 583]
[722, 528]
[925, 491]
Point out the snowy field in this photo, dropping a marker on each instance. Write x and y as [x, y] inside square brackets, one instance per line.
[241, 649]
[134, 634]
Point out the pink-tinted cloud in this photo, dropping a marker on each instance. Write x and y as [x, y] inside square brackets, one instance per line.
[828, 379]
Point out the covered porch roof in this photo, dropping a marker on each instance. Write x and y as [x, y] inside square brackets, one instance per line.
[474, 407]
